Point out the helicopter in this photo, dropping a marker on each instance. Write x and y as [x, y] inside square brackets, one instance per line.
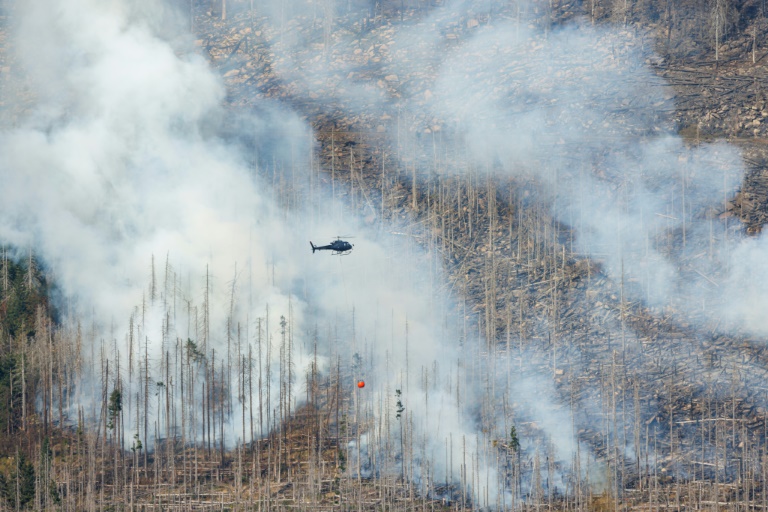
[338, 246]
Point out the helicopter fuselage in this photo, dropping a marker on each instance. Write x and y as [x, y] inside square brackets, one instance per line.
[337, 246]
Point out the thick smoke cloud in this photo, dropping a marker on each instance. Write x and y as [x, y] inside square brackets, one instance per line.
[118, 180]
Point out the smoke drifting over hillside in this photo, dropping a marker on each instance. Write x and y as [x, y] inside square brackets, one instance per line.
[162, 223]
[574, 107]
[585, 120]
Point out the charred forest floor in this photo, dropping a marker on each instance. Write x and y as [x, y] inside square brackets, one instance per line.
[696, 390]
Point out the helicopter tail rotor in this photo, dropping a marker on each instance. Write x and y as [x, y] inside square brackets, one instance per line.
[313, 247]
